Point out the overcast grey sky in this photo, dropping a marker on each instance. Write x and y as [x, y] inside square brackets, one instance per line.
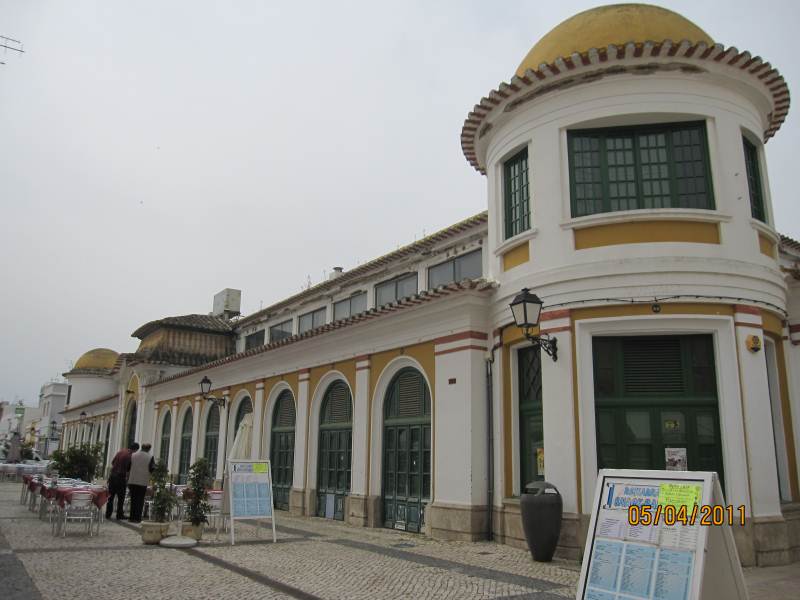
[153, 153]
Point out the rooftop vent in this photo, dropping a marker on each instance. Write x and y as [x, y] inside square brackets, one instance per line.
[227, 303]
[337, 272]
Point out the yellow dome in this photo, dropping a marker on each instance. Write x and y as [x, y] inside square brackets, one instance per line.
[613, 24]
[99, 358]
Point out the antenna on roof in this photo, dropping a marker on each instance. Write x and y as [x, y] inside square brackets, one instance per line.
[10, 44]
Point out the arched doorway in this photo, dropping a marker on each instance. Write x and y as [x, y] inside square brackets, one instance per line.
[186, 447]
[335, 443]
[130, 429]
[406, 451]
[281, 453]
[166, 428]
[245, 407]
[211, 446]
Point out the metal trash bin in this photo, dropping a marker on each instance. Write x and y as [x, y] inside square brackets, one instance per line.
[541, 509]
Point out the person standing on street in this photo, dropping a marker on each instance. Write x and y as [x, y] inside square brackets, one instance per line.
[118, 480]
[142, 464]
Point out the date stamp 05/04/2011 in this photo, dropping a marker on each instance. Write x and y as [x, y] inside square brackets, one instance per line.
[705, 515]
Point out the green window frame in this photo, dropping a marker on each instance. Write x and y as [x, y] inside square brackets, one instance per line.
[639, 168]
[211, 445]
[281, 331]
[464, 266]
[754, 180]
[166, 429]
[245, 408]
[185, 454]
[254, 340]
[516, 194]
[312, 320]
[355, 304]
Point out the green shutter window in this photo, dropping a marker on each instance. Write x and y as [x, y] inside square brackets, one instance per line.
[754, 181]
[635, 168]
[166, 428]
[245, 408]
[212, 437]
[184, 456]
[517, 194]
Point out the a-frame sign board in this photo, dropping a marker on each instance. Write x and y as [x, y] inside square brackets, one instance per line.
[630, 557]
[250, 490]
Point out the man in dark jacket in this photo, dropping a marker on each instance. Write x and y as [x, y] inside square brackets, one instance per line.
[118, 480]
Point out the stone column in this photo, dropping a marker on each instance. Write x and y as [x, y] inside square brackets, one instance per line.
[258, 418]
[297, 497]
[769, 532]
[222, 442]
[458, 510]
[359, 512]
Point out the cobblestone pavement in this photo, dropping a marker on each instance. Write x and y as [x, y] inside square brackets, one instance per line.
[313, 558]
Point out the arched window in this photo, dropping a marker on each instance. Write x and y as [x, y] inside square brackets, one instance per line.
[186, 447]
[245, 407]
[130, 434]
[282, 450]
[334, 457]
[166, 428]
[105, 448]
[212, 437]
[406, 451]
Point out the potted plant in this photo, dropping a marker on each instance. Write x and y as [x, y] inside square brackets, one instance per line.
[163, 503]
[197, 507]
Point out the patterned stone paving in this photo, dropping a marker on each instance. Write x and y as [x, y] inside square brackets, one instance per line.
[313, 558]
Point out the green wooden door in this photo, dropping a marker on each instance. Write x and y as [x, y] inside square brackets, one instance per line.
[531, 431]
[406, 451]
[656, 403]
[334, 452]
[282, 450]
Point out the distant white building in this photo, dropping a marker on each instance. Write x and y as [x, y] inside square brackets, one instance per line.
[53, 398]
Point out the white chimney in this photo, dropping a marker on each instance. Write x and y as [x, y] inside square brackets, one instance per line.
[337, 272]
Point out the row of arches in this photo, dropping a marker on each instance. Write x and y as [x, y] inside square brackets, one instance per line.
[406, 447]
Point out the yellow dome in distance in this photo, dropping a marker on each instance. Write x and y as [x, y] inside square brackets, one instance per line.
[99, 358]
[613, 24]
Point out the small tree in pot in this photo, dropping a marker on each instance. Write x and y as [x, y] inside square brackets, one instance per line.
[164, 501]
[197, 507]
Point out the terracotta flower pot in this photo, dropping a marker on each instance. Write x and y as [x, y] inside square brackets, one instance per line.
[192, 531]
[152, 533]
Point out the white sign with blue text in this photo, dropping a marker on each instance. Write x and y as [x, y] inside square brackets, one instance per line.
[250, 492]
[661, 535]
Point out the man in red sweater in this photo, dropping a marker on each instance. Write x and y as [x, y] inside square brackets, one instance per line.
[118, 480]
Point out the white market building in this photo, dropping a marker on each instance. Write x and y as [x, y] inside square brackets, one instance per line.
[622, 174]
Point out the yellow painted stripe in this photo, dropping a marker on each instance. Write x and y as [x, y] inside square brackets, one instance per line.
[641, 232]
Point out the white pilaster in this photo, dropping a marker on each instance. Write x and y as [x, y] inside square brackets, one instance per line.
[759, 439]
[222, 441]
[173, 437]
[301, 432]
[195, 430]
[258, 418]
[360, 450]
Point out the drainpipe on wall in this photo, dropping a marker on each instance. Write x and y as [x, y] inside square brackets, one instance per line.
[490, 436]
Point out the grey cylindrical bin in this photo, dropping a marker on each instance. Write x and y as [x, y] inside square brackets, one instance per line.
[541, 510]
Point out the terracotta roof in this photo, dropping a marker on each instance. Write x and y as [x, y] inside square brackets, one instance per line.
[194, 322]
[639, 56]
[418, 299]
[409, 250]
[787, 241]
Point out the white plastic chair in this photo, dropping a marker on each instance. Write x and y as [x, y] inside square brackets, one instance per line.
[79, 508]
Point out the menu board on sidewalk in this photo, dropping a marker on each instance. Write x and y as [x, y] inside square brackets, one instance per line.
[250, 492]
[646, 553]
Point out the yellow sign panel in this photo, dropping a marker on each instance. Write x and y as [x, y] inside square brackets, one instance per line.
[679, 494]
[259, 467]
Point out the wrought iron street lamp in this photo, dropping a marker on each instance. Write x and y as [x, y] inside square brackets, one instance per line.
[527, 309]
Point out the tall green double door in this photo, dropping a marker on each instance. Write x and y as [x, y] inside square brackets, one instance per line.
[656, 405]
